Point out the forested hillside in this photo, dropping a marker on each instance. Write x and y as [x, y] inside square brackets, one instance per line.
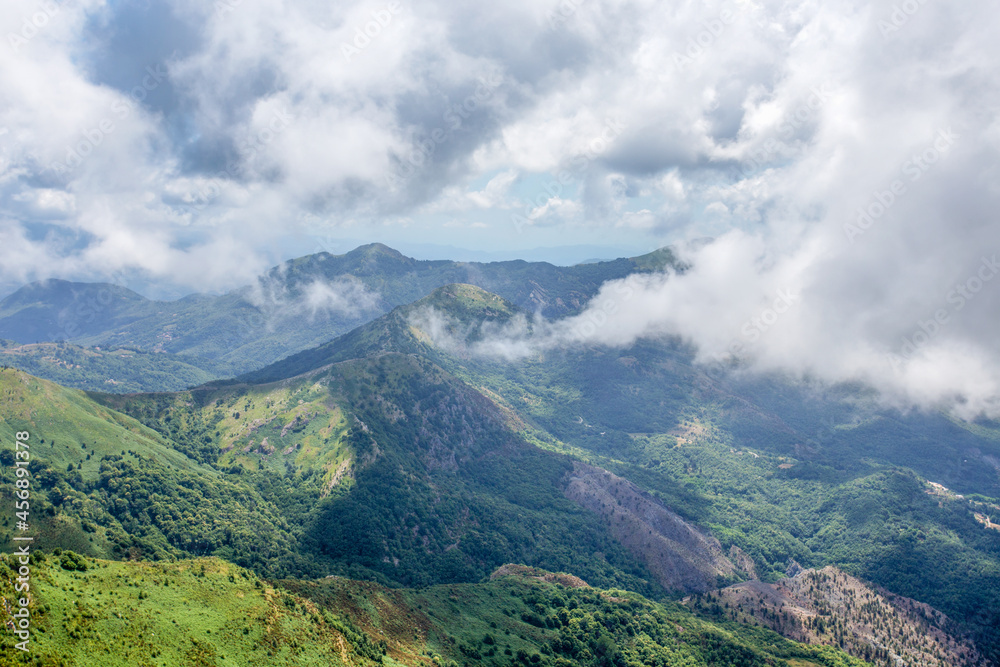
[402, 455]
[206, 611]
[771, 467]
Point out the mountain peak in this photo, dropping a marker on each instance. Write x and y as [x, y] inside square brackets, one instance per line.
[377, 250]
[468, 302]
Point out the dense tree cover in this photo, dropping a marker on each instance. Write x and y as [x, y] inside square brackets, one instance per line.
[451, 493]
[141, 509]
[520, 618]
[196, 516]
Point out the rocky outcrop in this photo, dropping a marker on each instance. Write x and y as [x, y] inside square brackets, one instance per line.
[829, 606]
[681, 557]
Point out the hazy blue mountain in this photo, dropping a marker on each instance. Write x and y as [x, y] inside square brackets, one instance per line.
[297, 305]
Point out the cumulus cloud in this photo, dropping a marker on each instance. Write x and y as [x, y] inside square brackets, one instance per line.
[794, 313]
[844, 150]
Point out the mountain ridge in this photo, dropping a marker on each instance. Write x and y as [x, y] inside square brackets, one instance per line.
[294, 306]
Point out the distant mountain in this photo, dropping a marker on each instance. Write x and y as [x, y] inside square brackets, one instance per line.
[395, 332]
[295, 306]
[54, 310]
[111, 369]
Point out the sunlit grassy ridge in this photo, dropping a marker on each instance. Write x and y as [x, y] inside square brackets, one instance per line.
[69, 428]
[207, 612]
[105, 485]
[290, 425]
[203, 612]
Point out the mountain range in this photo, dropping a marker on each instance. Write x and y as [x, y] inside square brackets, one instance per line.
[295, 306]
[392, 485]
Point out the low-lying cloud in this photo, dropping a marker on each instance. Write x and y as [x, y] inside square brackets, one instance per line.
[797, 313]
[343, 297]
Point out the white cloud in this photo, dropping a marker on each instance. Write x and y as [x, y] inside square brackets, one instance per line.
[768, 128]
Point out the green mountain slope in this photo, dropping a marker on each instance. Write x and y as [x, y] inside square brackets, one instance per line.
[207, 612]
[121, 370]
[526, 616]
[389, 467]
[105, 485]
[772, 467]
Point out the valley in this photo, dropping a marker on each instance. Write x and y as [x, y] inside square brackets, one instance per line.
[398, 494]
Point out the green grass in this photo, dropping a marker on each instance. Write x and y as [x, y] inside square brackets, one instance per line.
[68, 428]
[188, 613]
[207, 612]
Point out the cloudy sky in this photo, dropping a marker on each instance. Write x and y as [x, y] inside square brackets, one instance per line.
[843, 155]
